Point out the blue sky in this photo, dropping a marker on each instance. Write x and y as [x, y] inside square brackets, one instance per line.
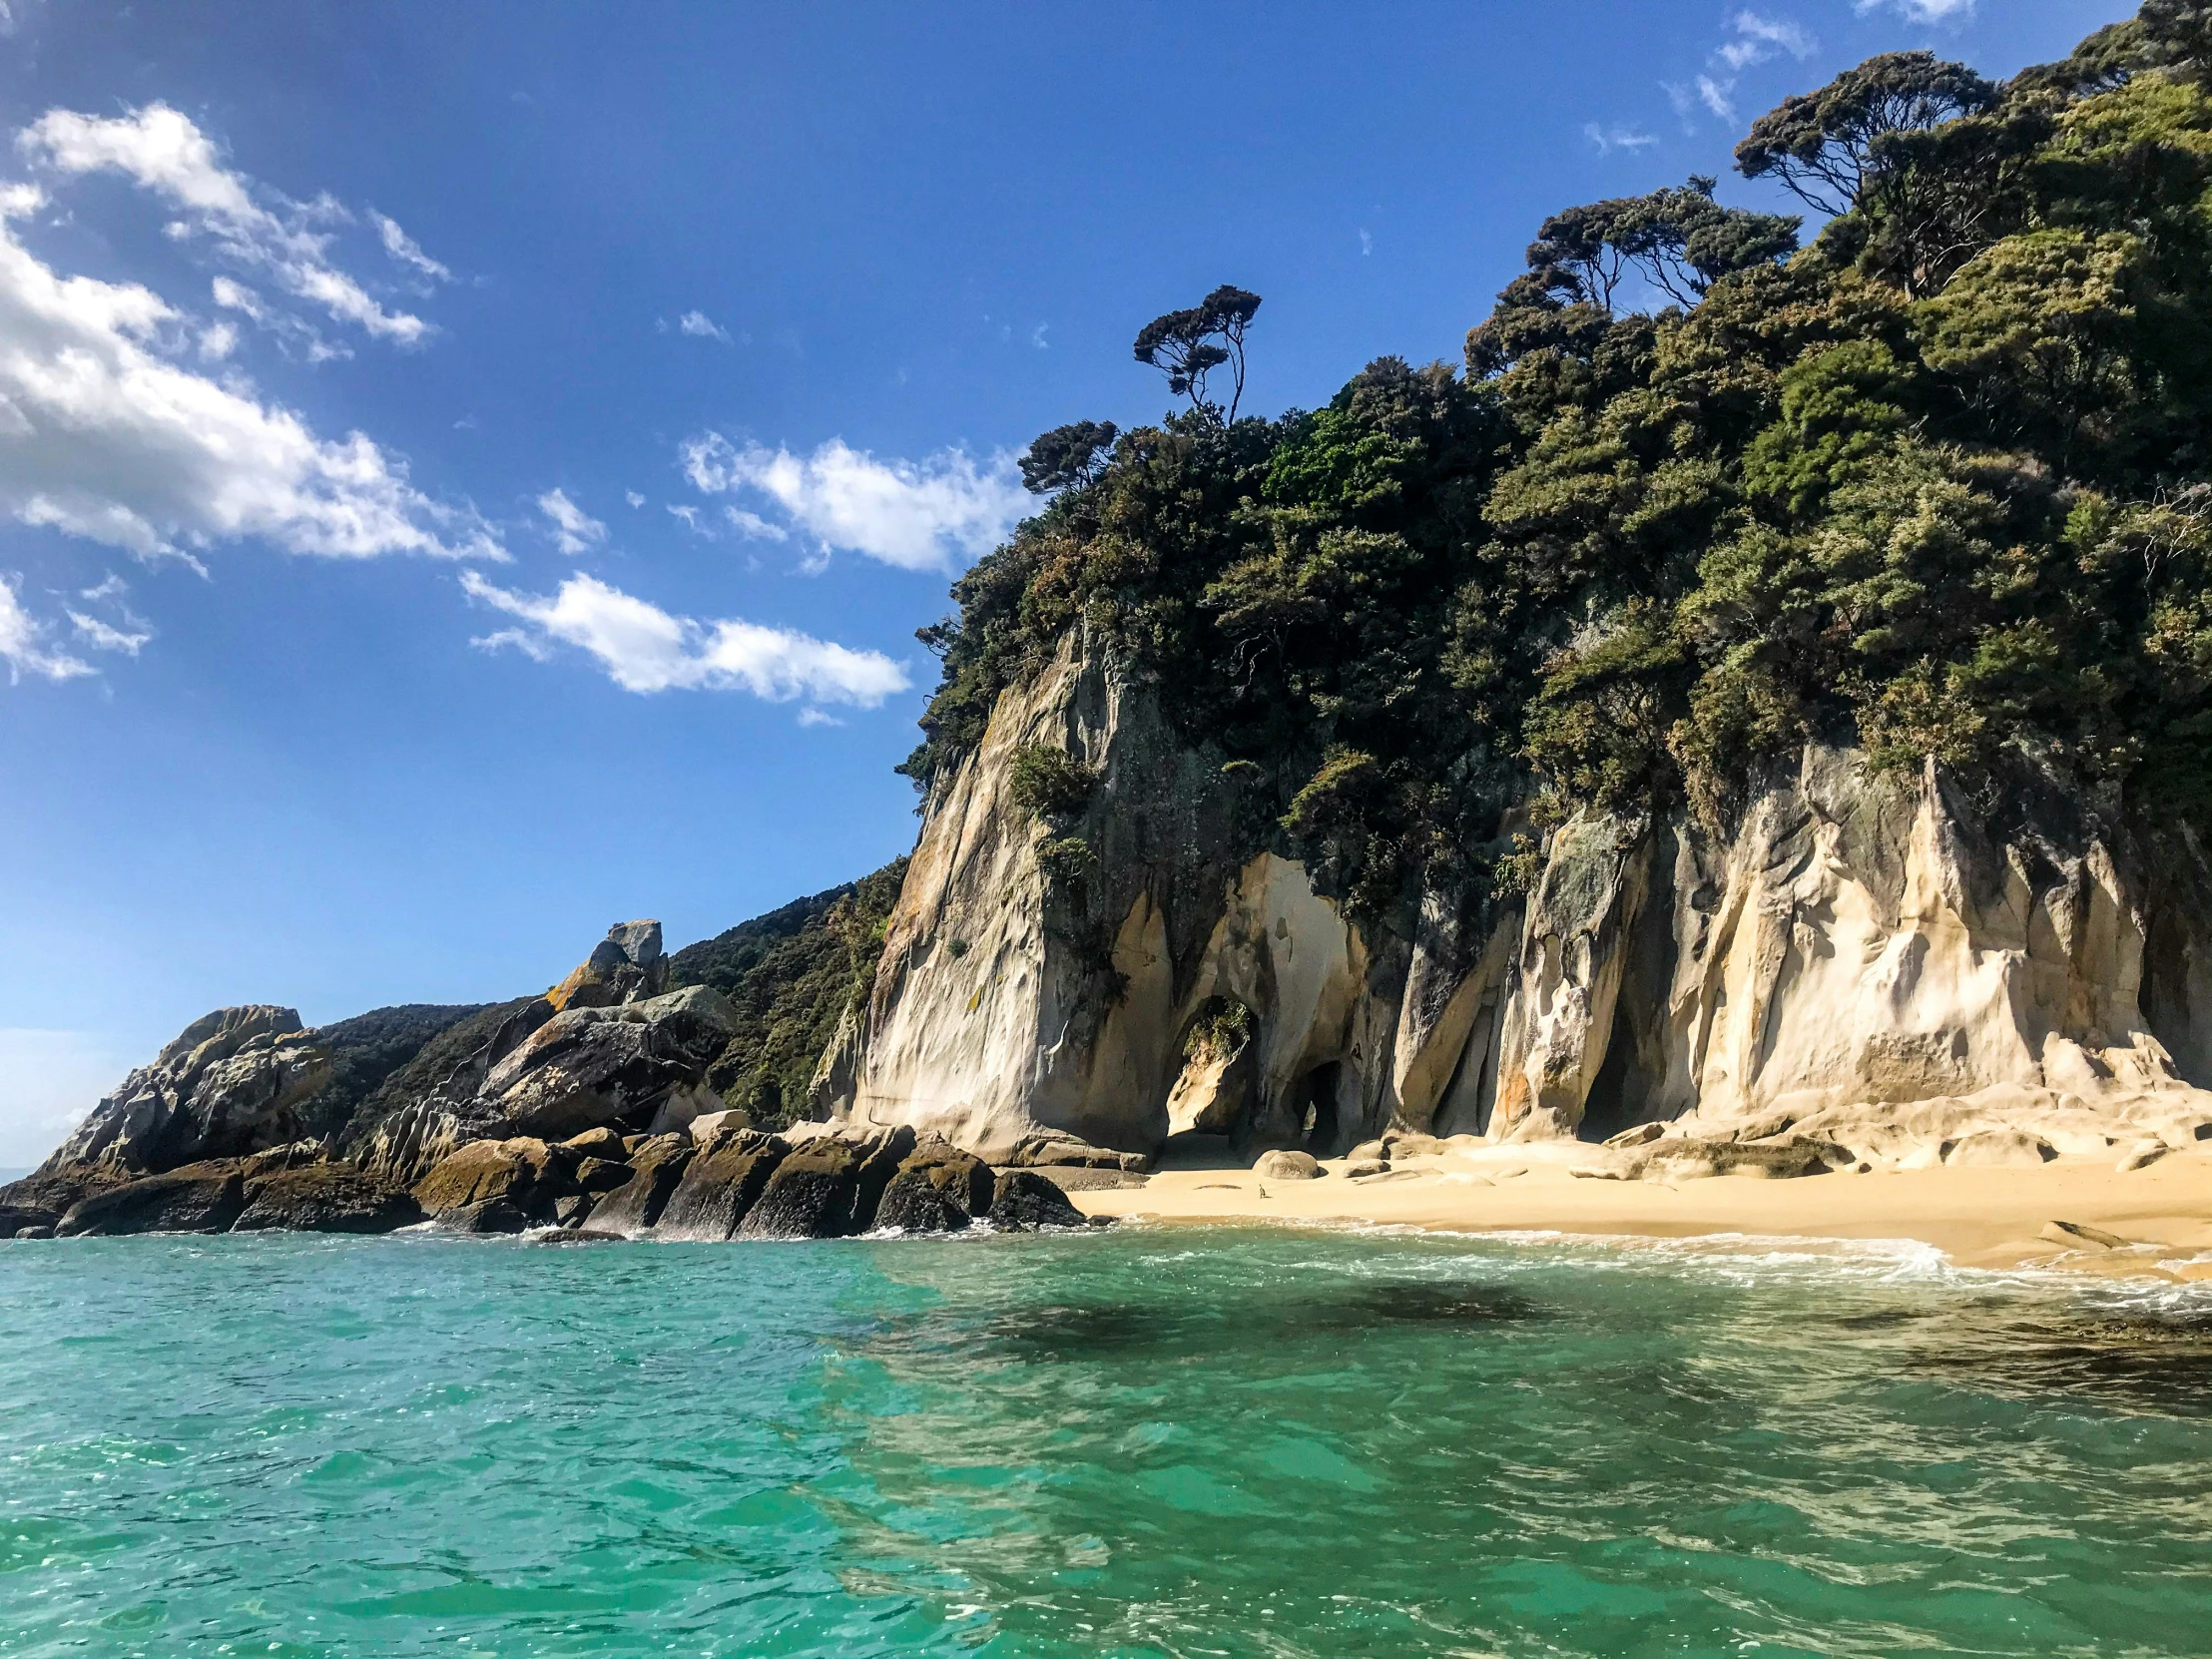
[469, 474]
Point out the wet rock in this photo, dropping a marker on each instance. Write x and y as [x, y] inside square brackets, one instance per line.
[654, 1169]
[1022, 1199]
[1288, 1166]
[198, 1197]
[34, 1233]
[829, 1187]
[2000, 1149]
[720, 1187]
[485, 1184]
[583, 1236]
[15, 1218]
[493, 1215]
[940, 1189]
[324, 1198]
[2076, 1235]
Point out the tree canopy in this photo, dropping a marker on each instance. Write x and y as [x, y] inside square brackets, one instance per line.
[1938, 484]
[1188, 346]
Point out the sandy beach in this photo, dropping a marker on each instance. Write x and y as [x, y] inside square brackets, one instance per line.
[1979, 1218]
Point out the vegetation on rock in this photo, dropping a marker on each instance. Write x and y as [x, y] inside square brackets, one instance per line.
[1935, 483]
[791, 975]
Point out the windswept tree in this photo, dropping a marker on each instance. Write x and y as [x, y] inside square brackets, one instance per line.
[1679, 239]
[1825, 146]
[1188, 346]
[1067, 456]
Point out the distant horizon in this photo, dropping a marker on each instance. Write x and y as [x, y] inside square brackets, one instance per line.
[528, 445]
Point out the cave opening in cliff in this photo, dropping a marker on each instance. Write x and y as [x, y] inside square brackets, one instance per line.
[1316, 1109]
[1616, 1098]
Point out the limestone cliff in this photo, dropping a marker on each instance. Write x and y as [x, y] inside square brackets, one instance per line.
[1855, 950]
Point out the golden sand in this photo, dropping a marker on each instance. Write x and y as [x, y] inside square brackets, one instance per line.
[1981, 1218]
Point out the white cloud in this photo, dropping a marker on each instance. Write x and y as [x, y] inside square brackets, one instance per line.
[811, 716]
[688, 516]
[1608, 140]
[927, 515]
[21, 645]
[102, 436]
[633, 497]
[1715, 95]
[1760, 38]
[162, 151]
[700, 325]
[574, 530]
[216, 341]
[1922, 11]
[645, 649]
[133, 630]
[752, 526]
[102, 637]
[406, 249]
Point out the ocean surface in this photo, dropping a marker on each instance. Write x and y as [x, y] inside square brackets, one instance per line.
[1143, 1441]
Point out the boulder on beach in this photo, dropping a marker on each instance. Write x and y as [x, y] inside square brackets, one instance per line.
[1288, 1166]
[1022, 1199]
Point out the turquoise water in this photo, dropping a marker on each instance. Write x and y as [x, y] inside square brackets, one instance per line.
[1139, 1442]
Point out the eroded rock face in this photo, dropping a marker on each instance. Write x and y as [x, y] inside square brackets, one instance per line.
[228, 1085]
[1850, 944]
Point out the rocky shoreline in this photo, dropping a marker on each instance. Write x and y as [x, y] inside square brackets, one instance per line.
[585, 1110]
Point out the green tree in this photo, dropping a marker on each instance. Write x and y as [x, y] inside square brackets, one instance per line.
[1188, 346]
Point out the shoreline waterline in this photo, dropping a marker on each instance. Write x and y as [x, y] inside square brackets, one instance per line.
[1974, 1218]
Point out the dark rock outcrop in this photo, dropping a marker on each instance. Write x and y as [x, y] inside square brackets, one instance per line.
[1022, 1199]
[324, 1198]
[938, 1189]
[198, 1197]
[654, 1169]
[828, 1188]
[497, 1186]
[720, 1188]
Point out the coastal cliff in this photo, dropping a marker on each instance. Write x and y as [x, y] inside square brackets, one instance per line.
[1856, 954]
